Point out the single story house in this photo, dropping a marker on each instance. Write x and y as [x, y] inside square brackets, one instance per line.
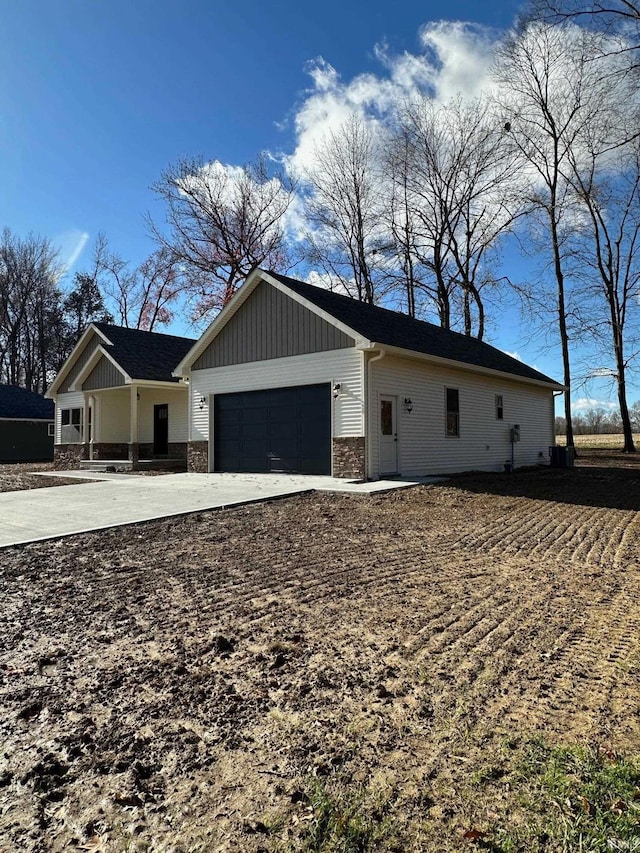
[26, 426]
[116, 397]
[292, 377]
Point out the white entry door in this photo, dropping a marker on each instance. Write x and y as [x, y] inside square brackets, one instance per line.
[388, 435]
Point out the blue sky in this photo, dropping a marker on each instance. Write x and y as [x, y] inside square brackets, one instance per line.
[97, 97]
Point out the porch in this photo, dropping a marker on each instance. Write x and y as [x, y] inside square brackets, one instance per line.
[137, 426]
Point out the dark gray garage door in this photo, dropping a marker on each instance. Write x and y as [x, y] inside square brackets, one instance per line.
[281, 429]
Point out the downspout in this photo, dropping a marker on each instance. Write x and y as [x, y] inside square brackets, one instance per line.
[368, 414]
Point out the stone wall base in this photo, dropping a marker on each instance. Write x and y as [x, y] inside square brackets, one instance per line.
[349, 458]
[67, 456]
[110, 450]
[198, 457]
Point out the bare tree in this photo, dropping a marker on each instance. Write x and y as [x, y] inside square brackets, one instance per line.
[222, 222]
[30, 310]
[344, 211]
[608, 188]
[615, 17]
[453, 173]
[143, 297]
[551, 91]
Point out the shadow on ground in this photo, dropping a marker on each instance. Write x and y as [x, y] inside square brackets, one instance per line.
[599, 479]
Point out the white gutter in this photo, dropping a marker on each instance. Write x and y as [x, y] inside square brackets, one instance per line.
[368, 414]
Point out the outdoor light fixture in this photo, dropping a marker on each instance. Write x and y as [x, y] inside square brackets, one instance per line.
[408, 404]
[336, 389]
[202, 402]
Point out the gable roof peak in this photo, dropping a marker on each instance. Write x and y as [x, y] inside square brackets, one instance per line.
[394, 329]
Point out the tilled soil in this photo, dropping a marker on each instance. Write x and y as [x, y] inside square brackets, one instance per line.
[187, 685]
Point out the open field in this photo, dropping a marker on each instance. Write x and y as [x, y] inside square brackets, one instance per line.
[452, 667]
[611, 441]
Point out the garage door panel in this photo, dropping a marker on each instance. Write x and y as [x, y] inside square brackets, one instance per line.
[280, 429]
[253, 432]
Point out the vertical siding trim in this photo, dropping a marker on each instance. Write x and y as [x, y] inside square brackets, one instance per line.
[268, 325]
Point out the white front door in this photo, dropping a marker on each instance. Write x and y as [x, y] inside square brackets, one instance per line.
[388, 435]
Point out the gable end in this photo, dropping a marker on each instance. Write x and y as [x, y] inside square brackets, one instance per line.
[269, 325]
[80, 363]
[104, 375]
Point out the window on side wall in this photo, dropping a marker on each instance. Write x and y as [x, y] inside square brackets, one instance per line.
[499, 408]
[453, 412]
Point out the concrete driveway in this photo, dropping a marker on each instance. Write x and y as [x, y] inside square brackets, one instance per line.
[48, 513]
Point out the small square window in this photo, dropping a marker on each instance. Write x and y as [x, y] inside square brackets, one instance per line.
[499, 408]
[50, 430]
[453, 412]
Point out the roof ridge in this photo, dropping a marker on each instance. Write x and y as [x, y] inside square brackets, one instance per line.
[103, 326]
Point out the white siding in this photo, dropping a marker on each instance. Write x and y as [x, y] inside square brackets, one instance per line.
[73, 400]
[483, 444]
[343, 366]
[178, 408]
[112, 416]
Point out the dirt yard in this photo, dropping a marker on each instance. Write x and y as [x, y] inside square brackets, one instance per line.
[16, 477]
[323, 672]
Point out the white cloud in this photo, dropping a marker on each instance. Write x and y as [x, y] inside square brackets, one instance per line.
[71, 245]
[461, 55]
[455, 61]
[583, 403]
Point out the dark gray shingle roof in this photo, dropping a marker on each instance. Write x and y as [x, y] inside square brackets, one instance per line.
[24, 405]
[146, 355]
[398, 330]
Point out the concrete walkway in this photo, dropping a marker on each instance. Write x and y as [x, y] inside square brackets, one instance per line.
[116, 499]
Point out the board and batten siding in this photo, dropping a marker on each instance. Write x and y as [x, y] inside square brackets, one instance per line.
[72, 400]
[270, 325]
[343, 366]
[104, 375]
[484, 441]
[80, 362]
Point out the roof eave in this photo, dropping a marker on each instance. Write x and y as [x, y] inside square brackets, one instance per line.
[52, 390]
[462, 365]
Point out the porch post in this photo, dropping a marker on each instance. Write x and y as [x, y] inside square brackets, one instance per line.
[87, 437]
[91, 423]
[133, 426]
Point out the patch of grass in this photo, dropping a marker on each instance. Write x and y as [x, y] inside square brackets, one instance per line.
[345, 820]
[570, 799]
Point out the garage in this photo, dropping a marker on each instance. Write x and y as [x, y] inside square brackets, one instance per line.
[278, 430]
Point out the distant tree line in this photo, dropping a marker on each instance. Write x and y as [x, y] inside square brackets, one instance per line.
[600, 421]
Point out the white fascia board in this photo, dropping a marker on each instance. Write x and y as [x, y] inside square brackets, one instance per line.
[66, 367]
[28, 420]
[360, 342]
[241, 295]
[95, 358]
[464, 365]
[158, 383]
